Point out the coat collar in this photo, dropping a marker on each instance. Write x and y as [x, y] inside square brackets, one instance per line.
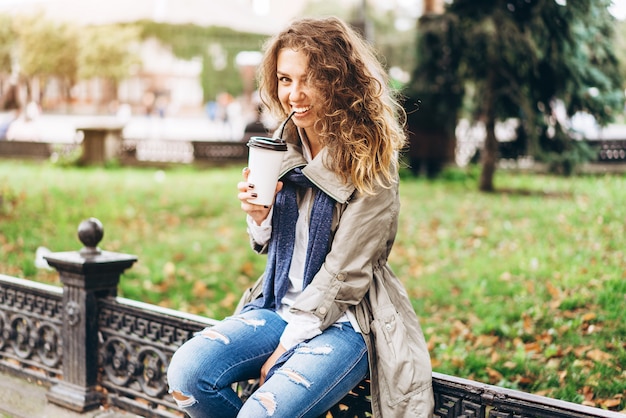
[316, 171]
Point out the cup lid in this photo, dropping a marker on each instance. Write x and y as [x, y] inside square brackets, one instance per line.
[267, 143]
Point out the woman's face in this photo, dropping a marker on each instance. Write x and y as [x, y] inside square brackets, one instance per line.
[295, 92]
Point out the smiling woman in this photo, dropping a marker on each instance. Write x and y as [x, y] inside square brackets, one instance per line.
[328, 310]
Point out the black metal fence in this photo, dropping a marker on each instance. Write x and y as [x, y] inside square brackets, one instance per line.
[134, 152]
[131, 151]
[91, 347]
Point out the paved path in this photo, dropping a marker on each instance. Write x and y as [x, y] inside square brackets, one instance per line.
[22, 399]
[62, 128]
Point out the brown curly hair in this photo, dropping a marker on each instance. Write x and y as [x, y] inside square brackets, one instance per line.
[363, 122]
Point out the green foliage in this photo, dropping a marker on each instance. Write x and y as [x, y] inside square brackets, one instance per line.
[216, 46]
[562, 153]
[561, 53]
[394, 47]
[7, 40]
[434, 95]
[620, 49]
[108, 52]
[523, 59]
[435, 91]
[63, 157]
[47, 48]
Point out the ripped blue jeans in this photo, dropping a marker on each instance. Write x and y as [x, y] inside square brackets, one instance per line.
[305, 382]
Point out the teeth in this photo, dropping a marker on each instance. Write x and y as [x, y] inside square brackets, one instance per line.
[301, 109]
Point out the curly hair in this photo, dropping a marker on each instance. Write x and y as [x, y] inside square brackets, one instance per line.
[363, 123]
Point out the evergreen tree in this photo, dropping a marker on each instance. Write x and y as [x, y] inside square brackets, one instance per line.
[434, 94]
[523, 58]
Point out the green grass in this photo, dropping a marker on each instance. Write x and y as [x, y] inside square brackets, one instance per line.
[524, 288]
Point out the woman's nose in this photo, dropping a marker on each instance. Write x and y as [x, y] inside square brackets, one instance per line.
[297, 91]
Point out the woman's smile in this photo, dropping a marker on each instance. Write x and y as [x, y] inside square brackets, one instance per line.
[295, 91]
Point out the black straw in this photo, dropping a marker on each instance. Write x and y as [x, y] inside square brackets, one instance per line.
[282, 130]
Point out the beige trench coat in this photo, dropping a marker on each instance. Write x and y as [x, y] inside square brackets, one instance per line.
[355, 275]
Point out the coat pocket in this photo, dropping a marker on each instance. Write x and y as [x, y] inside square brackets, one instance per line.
[396, 359]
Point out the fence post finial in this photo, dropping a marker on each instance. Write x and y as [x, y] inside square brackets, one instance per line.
[87, 276]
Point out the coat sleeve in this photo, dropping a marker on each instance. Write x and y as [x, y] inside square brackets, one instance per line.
[260, 234]
[361, 243]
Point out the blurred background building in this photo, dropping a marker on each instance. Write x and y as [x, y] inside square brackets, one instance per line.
[257, 16]
[186, 56]
[166, 58]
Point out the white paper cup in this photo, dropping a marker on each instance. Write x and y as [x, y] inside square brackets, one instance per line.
[265, 157]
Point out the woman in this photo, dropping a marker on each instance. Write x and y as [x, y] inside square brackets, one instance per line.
[328, 310]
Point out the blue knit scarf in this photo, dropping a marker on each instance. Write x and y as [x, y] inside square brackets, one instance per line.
[280, 251]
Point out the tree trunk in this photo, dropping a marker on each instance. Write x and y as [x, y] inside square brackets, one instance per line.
[490, 150]
[67, 95]
[433, 6]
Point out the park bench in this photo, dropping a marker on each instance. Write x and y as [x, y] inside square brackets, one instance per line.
[92, 348]
[25, 149]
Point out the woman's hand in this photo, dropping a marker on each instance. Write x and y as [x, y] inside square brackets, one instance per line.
[280, 350]
[246, 191]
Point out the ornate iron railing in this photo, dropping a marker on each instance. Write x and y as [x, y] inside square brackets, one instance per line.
[31, 321]
[137, 343]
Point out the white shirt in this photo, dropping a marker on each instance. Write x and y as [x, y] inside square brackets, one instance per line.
[300, 327]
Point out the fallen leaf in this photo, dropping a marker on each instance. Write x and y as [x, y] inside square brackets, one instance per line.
[590, 316]
[610, 403]
[199, 288]
[599, 355]
[432, 343]
[526, 380]
[554, 292]
[494, 375]
[435, 362]
[228, 300]
[458, 362]
[486, 340]
[588, 393]
[528, 323]
[179, 256]
[510, 364]
[553, 363]
[532, 347]
[580, 351]
[480, 231]
[169, 270]
[247, 268]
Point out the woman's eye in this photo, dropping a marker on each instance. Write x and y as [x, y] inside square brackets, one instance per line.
[283, 79]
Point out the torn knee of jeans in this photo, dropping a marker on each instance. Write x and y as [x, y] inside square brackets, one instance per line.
[322, 350]
[182, 400]
[253, 322]
[295, 377]
[211, 334]
[267, 401]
